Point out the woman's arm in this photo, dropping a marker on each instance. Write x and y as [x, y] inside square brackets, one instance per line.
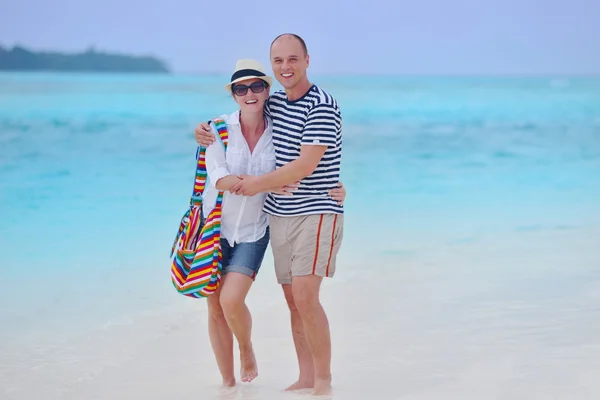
[216, 166]
[227, 182]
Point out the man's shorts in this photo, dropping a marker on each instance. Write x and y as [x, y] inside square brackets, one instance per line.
[305, 245]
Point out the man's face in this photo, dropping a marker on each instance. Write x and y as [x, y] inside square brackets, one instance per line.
[288, 60]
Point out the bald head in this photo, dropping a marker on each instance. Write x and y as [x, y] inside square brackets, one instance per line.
[289, 60]
[290, 37]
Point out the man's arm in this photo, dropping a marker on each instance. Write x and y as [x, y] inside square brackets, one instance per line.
[320, 132]
[295, 171]
[204, 135]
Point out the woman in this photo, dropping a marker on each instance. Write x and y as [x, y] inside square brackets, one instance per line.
[244, 226]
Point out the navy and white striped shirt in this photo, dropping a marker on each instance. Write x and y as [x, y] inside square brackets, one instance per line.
[313, 119]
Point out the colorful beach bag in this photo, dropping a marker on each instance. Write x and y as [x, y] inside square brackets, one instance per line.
[196, 252]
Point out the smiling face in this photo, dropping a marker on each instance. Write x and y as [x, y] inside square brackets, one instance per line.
[289, 61]
[250, 94]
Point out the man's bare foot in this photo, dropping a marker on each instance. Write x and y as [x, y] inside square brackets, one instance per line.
[228, 383]
[301, 384]
[322, 387]
[249, 369]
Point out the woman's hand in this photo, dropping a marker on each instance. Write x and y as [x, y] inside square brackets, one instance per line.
[287, 190]
[338, 194]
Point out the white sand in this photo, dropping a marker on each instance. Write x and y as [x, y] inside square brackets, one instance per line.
[513, 317]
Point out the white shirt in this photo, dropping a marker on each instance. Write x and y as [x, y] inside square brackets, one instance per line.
[242, 218]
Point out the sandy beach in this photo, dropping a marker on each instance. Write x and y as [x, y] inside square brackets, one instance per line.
[507, 317]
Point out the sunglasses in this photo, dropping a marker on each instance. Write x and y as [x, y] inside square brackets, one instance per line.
[256, 87]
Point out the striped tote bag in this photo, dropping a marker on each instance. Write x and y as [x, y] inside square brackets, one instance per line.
[196, 256]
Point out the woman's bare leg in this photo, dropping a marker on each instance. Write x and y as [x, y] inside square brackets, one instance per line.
[233, 302]
[221, 338]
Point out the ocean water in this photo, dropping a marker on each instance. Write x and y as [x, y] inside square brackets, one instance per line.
[96, 170]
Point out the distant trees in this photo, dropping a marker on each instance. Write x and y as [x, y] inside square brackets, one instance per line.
[21, 59]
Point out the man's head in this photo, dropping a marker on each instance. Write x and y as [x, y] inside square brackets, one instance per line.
[289, 60]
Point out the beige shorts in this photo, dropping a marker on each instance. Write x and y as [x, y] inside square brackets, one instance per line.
[305, 245]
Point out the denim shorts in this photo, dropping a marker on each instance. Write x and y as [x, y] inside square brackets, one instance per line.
[246, 257]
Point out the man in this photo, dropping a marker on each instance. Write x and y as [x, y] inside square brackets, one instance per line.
[306, 228]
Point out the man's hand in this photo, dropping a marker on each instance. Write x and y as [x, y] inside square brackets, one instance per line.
[294, 171]
[203, 134]
[253, 185]
[248, 186]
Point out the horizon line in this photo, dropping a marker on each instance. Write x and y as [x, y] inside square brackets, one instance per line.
[328, 74]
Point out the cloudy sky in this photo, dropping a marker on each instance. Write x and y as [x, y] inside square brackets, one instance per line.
[367, 37]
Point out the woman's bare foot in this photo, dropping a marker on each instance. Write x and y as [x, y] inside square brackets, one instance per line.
[301, 384]
[228, 383]
[249, 369]
[322, 387]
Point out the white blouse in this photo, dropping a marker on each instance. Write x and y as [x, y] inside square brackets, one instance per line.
[243, 219]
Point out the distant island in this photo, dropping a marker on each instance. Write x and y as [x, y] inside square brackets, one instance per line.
[21, 59]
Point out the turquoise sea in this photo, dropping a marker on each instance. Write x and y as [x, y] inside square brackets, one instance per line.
[96, 170]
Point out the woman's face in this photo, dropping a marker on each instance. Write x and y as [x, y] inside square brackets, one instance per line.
[250, 94]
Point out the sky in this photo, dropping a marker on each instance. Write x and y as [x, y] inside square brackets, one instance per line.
[424, 37]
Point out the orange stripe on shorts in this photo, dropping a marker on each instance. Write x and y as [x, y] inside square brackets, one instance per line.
[331, 247]
[317, 250]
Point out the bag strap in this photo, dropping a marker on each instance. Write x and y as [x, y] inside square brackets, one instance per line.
[201, 174]
[224, 136]
[188, 221]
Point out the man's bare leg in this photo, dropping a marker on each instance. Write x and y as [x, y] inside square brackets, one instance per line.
[221, 338]
[316, 329]
[233, 297]
[306, 379]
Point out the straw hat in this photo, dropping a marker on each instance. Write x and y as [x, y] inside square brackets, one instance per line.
[248, 69]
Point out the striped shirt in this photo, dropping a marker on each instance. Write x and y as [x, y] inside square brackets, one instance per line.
[313, 119]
